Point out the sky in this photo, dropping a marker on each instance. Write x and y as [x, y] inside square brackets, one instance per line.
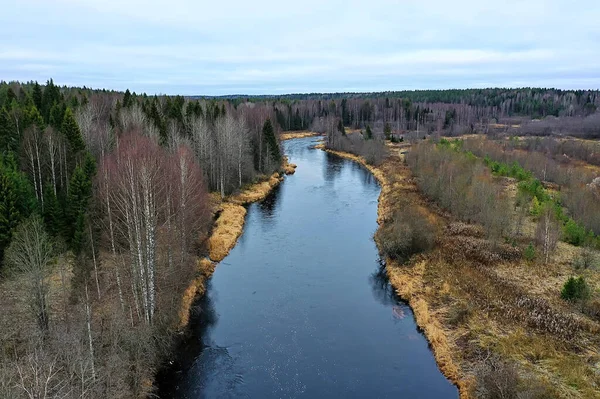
[200, 47]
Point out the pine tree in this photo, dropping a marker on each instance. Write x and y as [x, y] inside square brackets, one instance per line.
[37, 96]
[71, 131]
[271, 141]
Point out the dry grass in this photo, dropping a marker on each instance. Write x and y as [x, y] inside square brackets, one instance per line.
[230, 217]
[228, 227]
[196, 288]
[393, 176]
[474, 300]
[297, 135]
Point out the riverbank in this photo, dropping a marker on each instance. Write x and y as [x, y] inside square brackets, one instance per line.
[230, 214]
[394, 179]
[297, 135]
[488, 315]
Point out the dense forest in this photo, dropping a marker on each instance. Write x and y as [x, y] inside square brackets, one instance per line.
[103, 205]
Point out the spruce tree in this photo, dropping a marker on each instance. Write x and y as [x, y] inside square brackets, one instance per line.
[341, 128]
[387, 131]
[80, 189]
[368, 133]
[9, 141]
[9, 213]
[37, 96]
[53, 216]
[127, 99]
[71, 131]
[271, 141]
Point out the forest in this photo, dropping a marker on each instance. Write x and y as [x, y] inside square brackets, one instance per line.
[106, 201]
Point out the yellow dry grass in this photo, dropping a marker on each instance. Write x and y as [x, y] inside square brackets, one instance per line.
[297, 135]
[393, 177]
[227, 228]
[196, 288]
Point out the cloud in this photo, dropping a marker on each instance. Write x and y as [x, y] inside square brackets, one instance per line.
[191, 47]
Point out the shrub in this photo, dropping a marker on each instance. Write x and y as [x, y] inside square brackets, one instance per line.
[529, 252]
[408, 233]
[585, 260]
[575, 289]
[574, 233]
[496, 380]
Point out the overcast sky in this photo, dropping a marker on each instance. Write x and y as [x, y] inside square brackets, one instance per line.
[262, 46]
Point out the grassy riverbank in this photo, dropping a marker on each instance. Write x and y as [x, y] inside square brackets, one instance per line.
[394, 179]
[490, 320]
[229, 217]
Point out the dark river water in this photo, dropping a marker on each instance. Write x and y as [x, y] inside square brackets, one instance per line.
[301, 307]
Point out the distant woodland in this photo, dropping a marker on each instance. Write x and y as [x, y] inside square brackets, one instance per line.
[104, 203]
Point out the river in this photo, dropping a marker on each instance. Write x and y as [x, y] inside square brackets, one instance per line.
[301, 307]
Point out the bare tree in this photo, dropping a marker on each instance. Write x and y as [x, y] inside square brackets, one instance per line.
[30, 253]
[547, 232]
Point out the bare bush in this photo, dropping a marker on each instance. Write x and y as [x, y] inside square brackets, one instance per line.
[407, 233]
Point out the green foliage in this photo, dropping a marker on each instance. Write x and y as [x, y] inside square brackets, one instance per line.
[341, 128]
[575, 289]
[37, 96]
[535, 189]
[529, 253]
[513, 169]
[80, 190]
[16, 199]
[71, 131]
[9, 138]
[574, 233]
[387, 130]
[127, 99]
[368, 133]
[53, 214]
[271, 141]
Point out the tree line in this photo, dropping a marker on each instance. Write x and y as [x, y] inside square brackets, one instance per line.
[103, 206]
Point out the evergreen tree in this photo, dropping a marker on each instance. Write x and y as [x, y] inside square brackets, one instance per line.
[9, 213]
[368, 133]
[9, 140]
[50, 97]
[271, 141]
[53, 215]
[10, 97]
[80, 190]
[387, 131]
[57, 114]
[127, 99]
[71, 131]
[341, 128]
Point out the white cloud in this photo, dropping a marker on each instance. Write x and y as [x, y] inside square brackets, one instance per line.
[186, 46]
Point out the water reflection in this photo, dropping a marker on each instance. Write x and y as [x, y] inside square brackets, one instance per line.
[382, 290]
[268, 206]
[203, 318]
[305, 310]
[332, 167]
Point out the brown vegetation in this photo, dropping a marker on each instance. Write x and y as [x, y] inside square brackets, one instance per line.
[496, 323]
[297, 135]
